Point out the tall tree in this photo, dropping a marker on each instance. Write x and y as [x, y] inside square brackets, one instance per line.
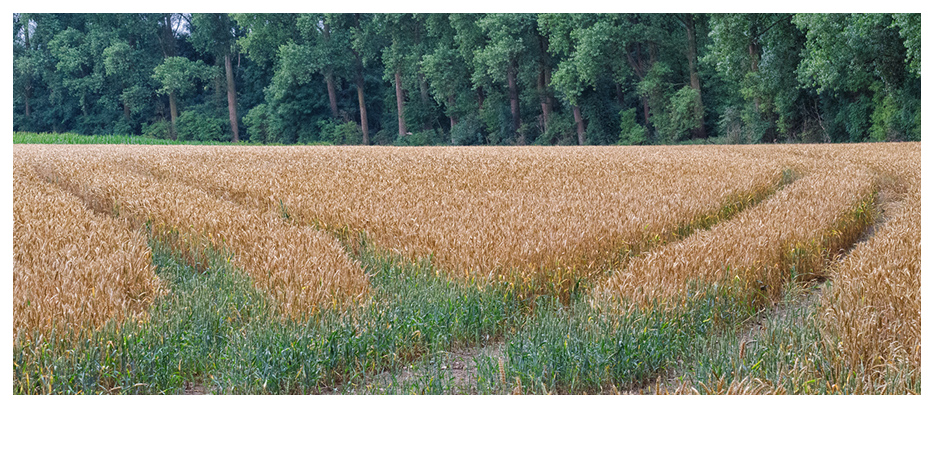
[217, 33]
[447, 71]
[167, 27]
[396, 57]
[469, 40]
[690, 30]
[561, 31]
[178, 76]
[365, 46]
[739, 43]
[26, 59]
[545, 67]
[329, 48]
[510, 38]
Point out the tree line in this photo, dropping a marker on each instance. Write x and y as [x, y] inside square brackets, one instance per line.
[471, 79]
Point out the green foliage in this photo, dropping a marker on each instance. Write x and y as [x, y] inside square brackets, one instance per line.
[179, 75]
[421, 138]
[562, 130]
[674, 112]
[158, 130]
[762, 77]
[213, 33]
[257, 124]
[20, 137]
[885, 112]
[909, 28]
[267, 31]
[630, 132]
[467, 132]
[340, 133]
[866, 65]
[198, 125]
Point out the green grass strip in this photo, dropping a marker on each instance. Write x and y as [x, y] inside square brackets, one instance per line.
[21, 137]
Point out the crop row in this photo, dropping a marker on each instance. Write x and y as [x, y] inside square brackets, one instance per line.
[791, 233]
[643, 224]
[873, 312]
[302, 268]
[547, 215]
[73, 268]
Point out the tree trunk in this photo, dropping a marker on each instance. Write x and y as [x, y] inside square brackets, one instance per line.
[423, 88]
[167, 43]
[579, 119]
[329, 78]
[450, 110]
[754, 54]
[645, 111]
[426, 99]
[27, 91]
[699, 131]
[231, 98]
[173, 114]
[400, 104]
[641, 70]
[514, 102]
[26, 94]
[362, 103]
[364, 124]
[332, 92]
[450, 113]
[544, 77]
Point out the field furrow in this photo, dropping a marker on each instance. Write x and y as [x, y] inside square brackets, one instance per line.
[796, 232]
[874, 308]
[653, 262]
[73, 269]
[547, 215]
[302, 268]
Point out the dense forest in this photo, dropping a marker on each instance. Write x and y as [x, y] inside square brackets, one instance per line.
[471, 79]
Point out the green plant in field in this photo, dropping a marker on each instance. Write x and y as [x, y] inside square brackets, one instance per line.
[21, 137]
[214, 329]
[284, 211]
[217, 326]
[183, 341]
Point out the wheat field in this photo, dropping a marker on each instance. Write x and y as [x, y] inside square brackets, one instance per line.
[299, 266]
[537, 213]
[650, 226]
[874, 309]
[72, 268]
[758, 249]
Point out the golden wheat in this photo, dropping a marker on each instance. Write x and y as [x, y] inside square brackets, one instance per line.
[484, 211]
[798, 227]
[557, 213]
[300, 267]
[72, 269]
[874, 309]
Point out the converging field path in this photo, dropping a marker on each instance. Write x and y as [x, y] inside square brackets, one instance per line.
[545, 214]
[300, 266]
[551, 270]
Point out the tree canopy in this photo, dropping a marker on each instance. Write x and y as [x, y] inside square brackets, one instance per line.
[471, 79]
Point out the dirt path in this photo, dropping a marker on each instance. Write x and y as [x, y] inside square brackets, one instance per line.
[458, 368]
